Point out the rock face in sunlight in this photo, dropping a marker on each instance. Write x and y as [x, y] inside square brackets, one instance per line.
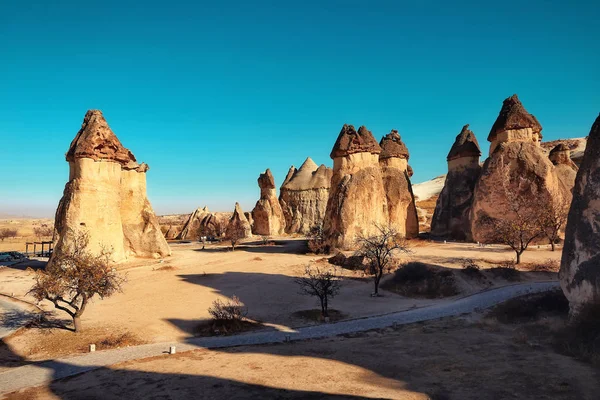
[202, 222]
[106, 196]
[514, 147]
[566, 170]
[267, 215]
[580, 264]
[393, 160]
[238, 224]
[303, 196]
[451, 218]
[357, 198]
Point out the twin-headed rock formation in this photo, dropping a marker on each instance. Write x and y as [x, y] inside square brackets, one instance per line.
[303, 196]
[202, 222]
[580, 264]
[267, 216]
[451, 217]
[105, 197]
[364, 185]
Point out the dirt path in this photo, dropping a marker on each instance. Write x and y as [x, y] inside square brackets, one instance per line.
[36, 374]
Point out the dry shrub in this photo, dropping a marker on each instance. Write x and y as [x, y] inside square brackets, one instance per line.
[506, 270]
[166, 268]
[548, 265]
[354, 263]
[417, 279]
[118, 340]
[227, 317]
[471, 268]
[531, 307]
[257, 259]
[581, 337]
[317, 243]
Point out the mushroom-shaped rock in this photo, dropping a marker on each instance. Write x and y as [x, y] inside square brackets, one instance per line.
[451, 218]
[357, 200]
[580, 265]
[303, 196]
[238, 226]
[393, 160]
[514, 124]
[105, 197]
[267, 216]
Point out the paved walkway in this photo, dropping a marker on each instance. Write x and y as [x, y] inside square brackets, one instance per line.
[13, 314]
[37, 374]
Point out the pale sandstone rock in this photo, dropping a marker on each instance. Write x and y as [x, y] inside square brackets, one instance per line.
[106, 197]
[566, 170]
[303, 196]
[580, 265]
[239, 221]
[402, 213]
[202, 222]
[267, 215]
[357, 198]
[515, 143]
[452, 216]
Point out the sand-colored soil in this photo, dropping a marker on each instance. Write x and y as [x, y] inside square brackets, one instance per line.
[445, 359]
[166, 301]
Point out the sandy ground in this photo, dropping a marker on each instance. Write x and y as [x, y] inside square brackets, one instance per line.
[456, 358]
[166, 301]
[24, 227]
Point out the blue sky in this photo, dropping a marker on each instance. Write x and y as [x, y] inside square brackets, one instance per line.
[210, 94]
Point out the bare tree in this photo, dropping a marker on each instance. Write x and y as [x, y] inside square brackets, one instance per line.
[552, 217]
[74, 277]
[8, 233]
[235, 233]
[378, 250]
[520, 225]
[324, 284]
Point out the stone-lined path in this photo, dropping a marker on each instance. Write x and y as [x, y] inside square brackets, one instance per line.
[41, 373]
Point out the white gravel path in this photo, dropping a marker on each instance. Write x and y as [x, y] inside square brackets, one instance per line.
[37, 374]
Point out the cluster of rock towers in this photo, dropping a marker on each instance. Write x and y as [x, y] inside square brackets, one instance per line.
[473, 194]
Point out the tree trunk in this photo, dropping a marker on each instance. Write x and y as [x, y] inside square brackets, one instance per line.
[377, 279]
[325, 310]
[518, 257]
[77, 323]
[552, 245]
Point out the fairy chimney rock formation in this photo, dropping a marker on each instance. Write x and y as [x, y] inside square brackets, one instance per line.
[451, 218]
[393, 160]
[267, 216]
[357, 199]
[238, 225]
[303, 196]
[580, 265]
[514, 124]
[517, 160]
[105, 197]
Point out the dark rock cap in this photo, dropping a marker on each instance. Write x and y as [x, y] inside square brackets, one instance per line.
[266, 180]
[97, 141]
[465, 145]
[560, 148]
[349, 142]
[514, 116]
[393, 146]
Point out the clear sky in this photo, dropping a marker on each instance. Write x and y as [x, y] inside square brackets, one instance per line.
[210, 94]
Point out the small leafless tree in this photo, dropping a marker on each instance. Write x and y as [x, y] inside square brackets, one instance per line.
[231, 310]
[378, 250]
[8, 233]
[520, 226]
[552, 217]
[235, 232]
[324, 284]
[74, 277]
[43, 231]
